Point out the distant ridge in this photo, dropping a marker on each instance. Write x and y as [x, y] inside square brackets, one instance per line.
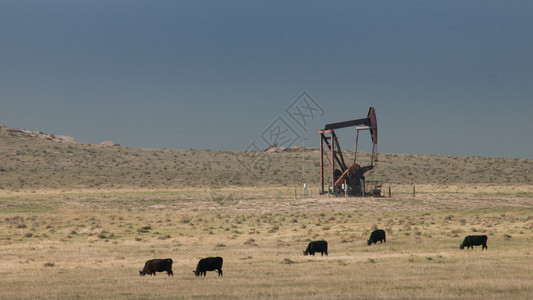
[31, 160]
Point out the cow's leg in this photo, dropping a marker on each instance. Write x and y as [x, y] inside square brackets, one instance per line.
[219, 272]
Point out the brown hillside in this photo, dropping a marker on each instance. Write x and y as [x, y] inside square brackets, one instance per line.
[29, 162]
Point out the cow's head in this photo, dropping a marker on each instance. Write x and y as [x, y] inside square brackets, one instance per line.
[369, 242]
[306, 252]
[197, 273]
[141, 273]
[461, 246]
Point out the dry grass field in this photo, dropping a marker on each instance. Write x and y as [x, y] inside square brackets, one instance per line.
[91, 244]
[79, 221]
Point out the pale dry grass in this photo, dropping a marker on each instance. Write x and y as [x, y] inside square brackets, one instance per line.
[427, 197]
[478, 188]
[96, 251]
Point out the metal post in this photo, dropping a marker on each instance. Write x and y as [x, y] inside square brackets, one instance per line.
[355, 150]
[303, 167]
[332, 163]
[345, 190]
[322, 162]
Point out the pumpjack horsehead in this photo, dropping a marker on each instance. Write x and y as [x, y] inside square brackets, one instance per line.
[341, 172]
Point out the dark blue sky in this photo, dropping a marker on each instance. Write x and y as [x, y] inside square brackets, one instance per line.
[445, 77]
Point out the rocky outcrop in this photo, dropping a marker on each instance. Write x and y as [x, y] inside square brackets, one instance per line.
[35, 134]
[109, 143]
[273, 149]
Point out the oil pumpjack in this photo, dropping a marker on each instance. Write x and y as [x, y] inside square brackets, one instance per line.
[346, 178]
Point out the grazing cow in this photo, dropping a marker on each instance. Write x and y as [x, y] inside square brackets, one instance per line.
[317, 246]
[474, 240]
[209, 264]
[375, 236]
[157, 265]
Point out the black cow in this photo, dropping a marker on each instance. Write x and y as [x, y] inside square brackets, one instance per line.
[474, 240]
[157, 265]
[317, 246]
[209, 264]
[375, 236]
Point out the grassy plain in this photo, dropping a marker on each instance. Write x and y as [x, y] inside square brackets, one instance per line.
[91, 243]
[80, 220]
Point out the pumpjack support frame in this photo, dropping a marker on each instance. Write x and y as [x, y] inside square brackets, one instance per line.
[340, 172]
